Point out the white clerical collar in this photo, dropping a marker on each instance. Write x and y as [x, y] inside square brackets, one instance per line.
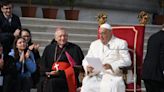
[108, 44]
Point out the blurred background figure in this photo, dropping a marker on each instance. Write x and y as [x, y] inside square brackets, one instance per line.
[25, 64]
[153, 67]
[8, 73]
[143, 17]
[10, 25]
[1, 67]
[101, 19]
[26, 34]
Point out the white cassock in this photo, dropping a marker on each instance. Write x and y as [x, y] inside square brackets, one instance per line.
[116, 54]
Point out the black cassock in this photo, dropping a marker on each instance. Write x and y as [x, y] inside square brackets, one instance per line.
[58, 83]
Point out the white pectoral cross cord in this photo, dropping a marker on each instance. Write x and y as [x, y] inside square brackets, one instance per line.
[56, 66]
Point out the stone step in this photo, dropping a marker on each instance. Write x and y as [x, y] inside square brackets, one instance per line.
[43, 40]
[57, 22]
[153, 28]
[51, 29]
[45, 37]
[85, 33]
[50, 35]
[80, 32]
[83, 40]
[84, 47]
[43, 43]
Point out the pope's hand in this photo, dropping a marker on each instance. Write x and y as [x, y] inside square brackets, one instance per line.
[107, 66]
[89, 69]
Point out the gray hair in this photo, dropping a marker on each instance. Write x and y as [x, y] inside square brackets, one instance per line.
[60, 29]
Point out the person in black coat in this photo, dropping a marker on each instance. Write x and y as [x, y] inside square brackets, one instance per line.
[8, 72]
[153, 67]
[26, 34]
[1, 67]
[66, 56]
[10, 25]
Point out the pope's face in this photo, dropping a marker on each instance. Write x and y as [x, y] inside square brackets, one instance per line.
[105, 36]
[61, 37]
[7, 10]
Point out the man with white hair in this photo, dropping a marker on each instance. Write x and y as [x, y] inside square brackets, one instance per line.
[58, 62]
[113, 53]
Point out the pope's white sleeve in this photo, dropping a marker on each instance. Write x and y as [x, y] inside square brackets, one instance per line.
[124, 57]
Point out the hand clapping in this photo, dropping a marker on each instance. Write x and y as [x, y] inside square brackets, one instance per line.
[34, 46]
[24, 56]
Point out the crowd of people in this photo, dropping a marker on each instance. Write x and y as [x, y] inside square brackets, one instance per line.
[58, 69]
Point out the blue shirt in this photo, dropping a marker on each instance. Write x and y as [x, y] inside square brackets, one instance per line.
[29, 63]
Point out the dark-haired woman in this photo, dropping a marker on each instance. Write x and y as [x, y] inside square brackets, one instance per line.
[26, 34]
[25, 64]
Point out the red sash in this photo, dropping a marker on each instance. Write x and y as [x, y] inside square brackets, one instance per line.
[70, 59]
[69, 72]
